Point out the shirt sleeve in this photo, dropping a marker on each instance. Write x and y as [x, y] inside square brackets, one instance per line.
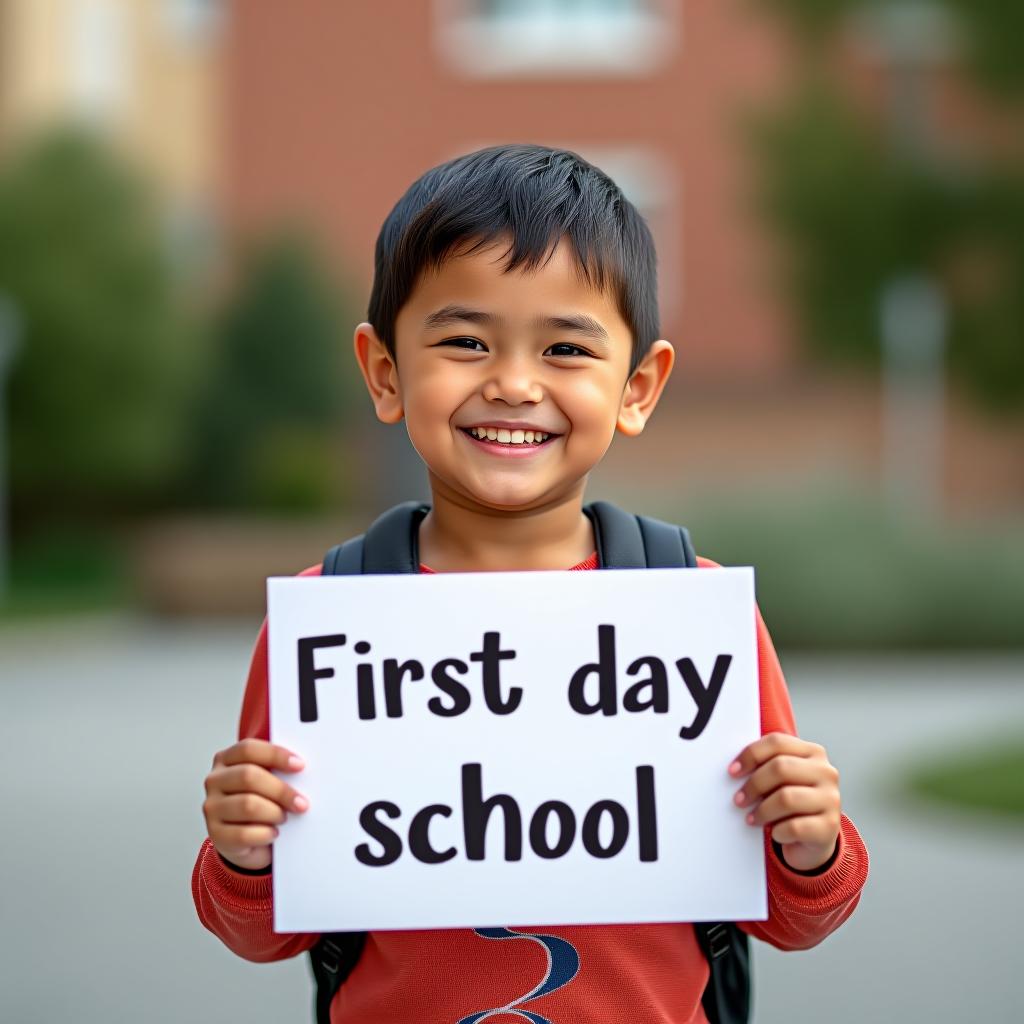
[802, 909]
[239, 908]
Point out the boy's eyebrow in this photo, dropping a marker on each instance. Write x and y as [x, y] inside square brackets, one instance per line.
[578, 323]
[447, 315]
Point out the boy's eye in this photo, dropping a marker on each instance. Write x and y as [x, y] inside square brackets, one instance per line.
[563, 348]
[468, 344]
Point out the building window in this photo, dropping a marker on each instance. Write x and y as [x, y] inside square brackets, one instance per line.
[195, 22]
[563, 38]
[99, 69]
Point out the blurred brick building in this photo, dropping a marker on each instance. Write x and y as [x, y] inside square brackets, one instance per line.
[145, 74]
[246, 115]
[335, 108]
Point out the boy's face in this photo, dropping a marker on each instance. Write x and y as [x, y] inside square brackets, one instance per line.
[482, 352]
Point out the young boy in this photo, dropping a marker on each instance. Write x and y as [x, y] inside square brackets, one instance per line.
[513, 325]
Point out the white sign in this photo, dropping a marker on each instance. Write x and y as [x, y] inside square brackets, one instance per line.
[488, 749]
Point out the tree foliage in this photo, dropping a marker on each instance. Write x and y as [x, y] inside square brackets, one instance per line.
[858, 212]
[96, 387]
[268, 424]
[991, 31]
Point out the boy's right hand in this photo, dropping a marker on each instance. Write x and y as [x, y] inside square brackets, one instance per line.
[245, 801]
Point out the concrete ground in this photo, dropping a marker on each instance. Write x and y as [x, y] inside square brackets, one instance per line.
[107, 728]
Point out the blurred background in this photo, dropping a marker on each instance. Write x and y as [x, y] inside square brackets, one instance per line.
[190, 191]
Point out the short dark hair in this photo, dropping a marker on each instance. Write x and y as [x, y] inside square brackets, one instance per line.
[535, 196]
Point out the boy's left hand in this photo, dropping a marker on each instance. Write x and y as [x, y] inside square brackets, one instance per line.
[793, 789]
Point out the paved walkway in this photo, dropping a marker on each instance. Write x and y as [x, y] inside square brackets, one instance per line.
[937, 935]
[107, 730]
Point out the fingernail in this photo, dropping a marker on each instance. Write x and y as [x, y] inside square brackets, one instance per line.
[295, 762]
[750, 819]
[735, 768]
[740, 798]
[300, 803]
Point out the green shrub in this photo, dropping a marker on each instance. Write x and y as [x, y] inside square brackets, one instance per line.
[989, 777]
[267, 426]
[838, 572]
[97, 389]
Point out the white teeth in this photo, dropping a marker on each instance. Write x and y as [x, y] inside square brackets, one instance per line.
[504, 436]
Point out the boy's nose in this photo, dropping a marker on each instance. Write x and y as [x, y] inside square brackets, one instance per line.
[513, 385]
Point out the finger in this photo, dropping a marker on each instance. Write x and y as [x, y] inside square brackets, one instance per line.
[260, 752]
[772, 745]
[788, 802]
[248, 808]
[238, 837]
[816, 828]
[250, 778]
[785, 770]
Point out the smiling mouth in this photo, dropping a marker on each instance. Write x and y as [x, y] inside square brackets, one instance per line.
[511, 438]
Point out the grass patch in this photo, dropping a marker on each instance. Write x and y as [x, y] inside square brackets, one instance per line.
[66, 573]
[988, 778]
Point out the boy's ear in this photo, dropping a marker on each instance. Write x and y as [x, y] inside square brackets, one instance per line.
[644, 388]
[379, 372]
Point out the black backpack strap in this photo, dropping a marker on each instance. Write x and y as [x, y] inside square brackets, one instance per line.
[332, 959]
[389, 546]
[726, 948]
[620, 544]
[335, 954]
[344, 559]
[626, 541]
[391, 543]
[667, 546]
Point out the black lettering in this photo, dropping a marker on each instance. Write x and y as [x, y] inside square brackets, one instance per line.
[492, 656]
[441, 676]
[604, 668]
[391, 844]
[419, 835]
[309, 673]
[393, 676]
[366, 700]
[591, 831]
[646, 813]
[476, 813]
[539, 829]
[704, 697]
[657, 683]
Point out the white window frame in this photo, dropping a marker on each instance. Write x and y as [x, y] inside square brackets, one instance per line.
[193, 22]
[540, 41]
[99, 70]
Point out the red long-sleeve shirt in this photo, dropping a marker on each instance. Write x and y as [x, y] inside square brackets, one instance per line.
[640, 973]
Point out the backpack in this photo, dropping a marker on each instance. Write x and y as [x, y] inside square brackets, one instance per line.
[624, 541]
